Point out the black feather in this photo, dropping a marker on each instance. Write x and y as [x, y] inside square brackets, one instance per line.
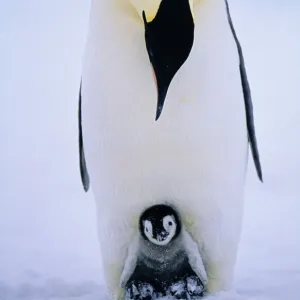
[247, 99]
[83, 169]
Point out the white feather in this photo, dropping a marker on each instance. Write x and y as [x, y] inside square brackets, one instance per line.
[194, 257]
[194, 156]
[131, 260]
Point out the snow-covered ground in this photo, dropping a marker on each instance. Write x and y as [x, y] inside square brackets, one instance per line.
[48, 240]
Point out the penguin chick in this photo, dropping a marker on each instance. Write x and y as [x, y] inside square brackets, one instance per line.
[163, 253]
[160, 225]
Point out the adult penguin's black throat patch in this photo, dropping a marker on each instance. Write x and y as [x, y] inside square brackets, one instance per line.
[169, 40]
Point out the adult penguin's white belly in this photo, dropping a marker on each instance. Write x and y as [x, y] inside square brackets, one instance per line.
[193, 157]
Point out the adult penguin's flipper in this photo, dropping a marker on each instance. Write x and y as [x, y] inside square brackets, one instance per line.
[83, 169]
[247, 99]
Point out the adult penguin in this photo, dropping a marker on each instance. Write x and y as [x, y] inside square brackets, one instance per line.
[165, 116]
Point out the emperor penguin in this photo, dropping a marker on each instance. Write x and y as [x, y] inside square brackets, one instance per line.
[165, 116]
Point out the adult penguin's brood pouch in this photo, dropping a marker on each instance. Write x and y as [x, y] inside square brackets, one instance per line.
[163, 259]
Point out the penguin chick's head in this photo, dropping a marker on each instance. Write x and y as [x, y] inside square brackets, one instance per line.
[169, 36]
[160, 224]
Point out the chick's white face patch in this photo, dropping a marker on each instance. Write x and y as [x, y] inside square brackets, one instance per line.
[148, 229]
[169, 224]
[162, 236]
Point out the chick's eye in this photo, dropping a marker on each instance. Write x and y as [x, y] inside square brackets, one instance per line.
[170, 223]
[146, 229]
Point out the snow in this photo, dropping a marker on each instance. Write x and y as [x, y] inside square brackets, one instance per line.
[48, 239]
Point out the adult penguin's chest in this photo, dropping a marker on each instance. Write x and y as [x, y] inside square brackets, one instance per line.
[200, 136]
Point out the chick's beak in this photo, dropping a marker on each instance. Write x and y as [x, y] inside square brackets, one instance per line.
[161, 236]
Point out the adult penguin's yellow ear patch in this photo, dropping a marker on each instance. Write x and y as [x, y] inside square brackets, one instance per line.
[149, 6]
[192, 3]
